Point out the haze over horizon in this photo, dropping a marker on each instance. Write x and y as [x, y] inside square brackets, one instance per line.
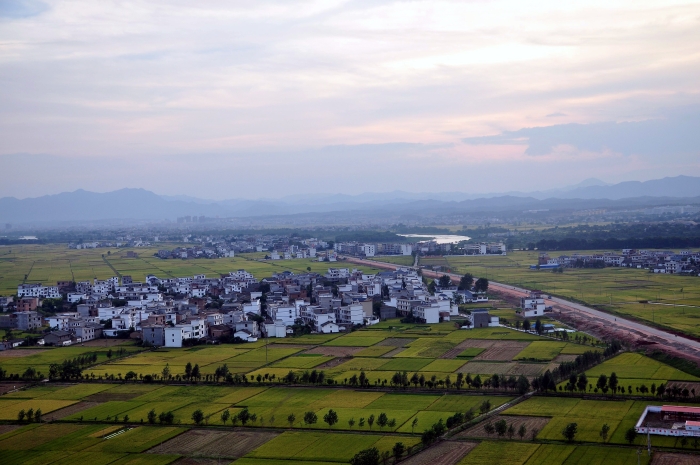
[263, 100]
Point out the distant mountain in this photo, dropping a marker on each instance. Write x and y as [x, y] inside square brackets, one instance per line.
[140, 204]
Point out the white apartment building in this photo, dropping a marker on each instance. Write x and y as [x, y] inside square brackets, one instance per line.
[351, 314]
[37, 290]
[288, 314]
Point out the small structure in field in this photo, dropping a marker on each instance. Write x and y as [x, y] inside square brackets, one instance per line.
[669, 420]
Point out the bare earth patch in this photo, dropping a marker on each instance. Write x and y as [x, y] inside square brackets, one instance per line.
[665, 458]
[196, 461]
[7, 428]
[331, 363]
[527, 369]
[396, 341]
[462, 346]
[444, 453]
[20, 353]
[686, 385]
[70, 410]
[487, 368]
[10, 386]
[563, 358]
[331, 351]
[531, 423]
[503, 351]
[393, 352]
[230, 444]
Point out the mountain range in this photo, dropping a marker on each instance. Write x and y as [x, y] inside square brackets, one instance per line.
[140, 204]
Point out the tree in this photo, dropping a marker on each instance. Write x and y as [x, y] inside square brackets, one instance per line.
[225, 415]
[398, 450]
[501, 427]
[30, 415]
[290, 419]
[188, 370]
[523, 385]
[310, 418]
[538, 326]
[195, 372]
[511, 431]
[382, 420]
[465, 283]
[489, 429]
[522, 431]
[481, 285]
[351, 422]
[684, 442]
[244, 416]
[613, 382]
[331, 418]
[602, 382]
[630, 435]
[370, 421]
[444, 281]
[582, 382]
[20, 415]
[413, 424]
[432, 287]
[569, 432]
[198, 416]
[366, 457]
[526, 325]
[604, 432]
[37, 416]
[166, 371]
[152, 416]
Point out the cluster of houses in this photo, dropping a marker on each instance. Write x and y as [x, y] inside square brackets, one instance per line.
[173, 312]
[424, 247]
[662, 261]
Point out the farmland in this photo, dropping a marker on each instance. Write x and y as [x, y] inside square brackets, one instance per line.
[615, 289]
[48, 264]
[381, 351]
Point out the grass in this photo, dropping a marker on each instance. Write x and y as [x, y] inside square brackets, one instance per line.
[541, 351]
[9, 412]
[637, 366]
[471, 352]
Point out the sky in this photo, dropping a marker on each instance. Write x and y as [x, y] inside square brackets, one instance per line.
[266, 98]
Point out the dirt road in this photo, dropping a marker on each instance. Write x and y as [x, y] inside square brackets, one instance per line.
[580, 316]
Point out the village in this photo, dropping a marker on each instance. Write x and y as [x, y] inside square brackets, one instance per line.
[175, 312]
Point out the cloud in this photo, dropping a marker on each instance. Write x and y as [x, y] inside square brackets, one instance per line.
[21, 8]
[677, 134]
[555, 115]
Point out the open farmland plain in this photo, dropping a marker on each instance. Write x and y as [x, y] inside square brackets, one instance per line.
[48, 264]
[674, 301]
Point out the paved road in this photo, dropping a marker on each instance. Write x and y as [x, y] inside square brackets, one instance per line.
[680, 343]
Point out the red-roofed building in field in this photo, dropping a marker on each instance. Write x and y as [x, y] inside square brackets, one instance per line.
[669, 420]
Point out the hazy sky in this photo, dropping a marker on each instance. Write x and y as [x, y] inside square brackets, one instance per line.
[266, 98]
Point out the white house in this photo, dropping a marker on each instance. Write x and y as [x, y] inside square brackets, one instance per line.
[288, 314]
[532, 306]
[350, 314]
[245, 335]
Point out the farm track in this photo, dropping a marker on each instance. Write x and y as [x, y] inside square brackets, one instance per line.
[587, 319]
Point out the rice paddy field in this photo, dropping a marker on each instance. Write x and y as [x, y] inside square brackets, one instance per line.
[48, 264]
[490, 452]
[18, 360]
[271, 405]
[676, 299]
[438, 351]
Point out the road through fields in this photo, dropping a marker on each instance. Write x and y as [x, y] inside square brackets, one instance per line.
[610, 323]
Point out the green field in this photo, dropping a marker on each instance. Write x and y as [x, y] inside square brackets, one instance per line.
[615, 289]
[48, 264]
